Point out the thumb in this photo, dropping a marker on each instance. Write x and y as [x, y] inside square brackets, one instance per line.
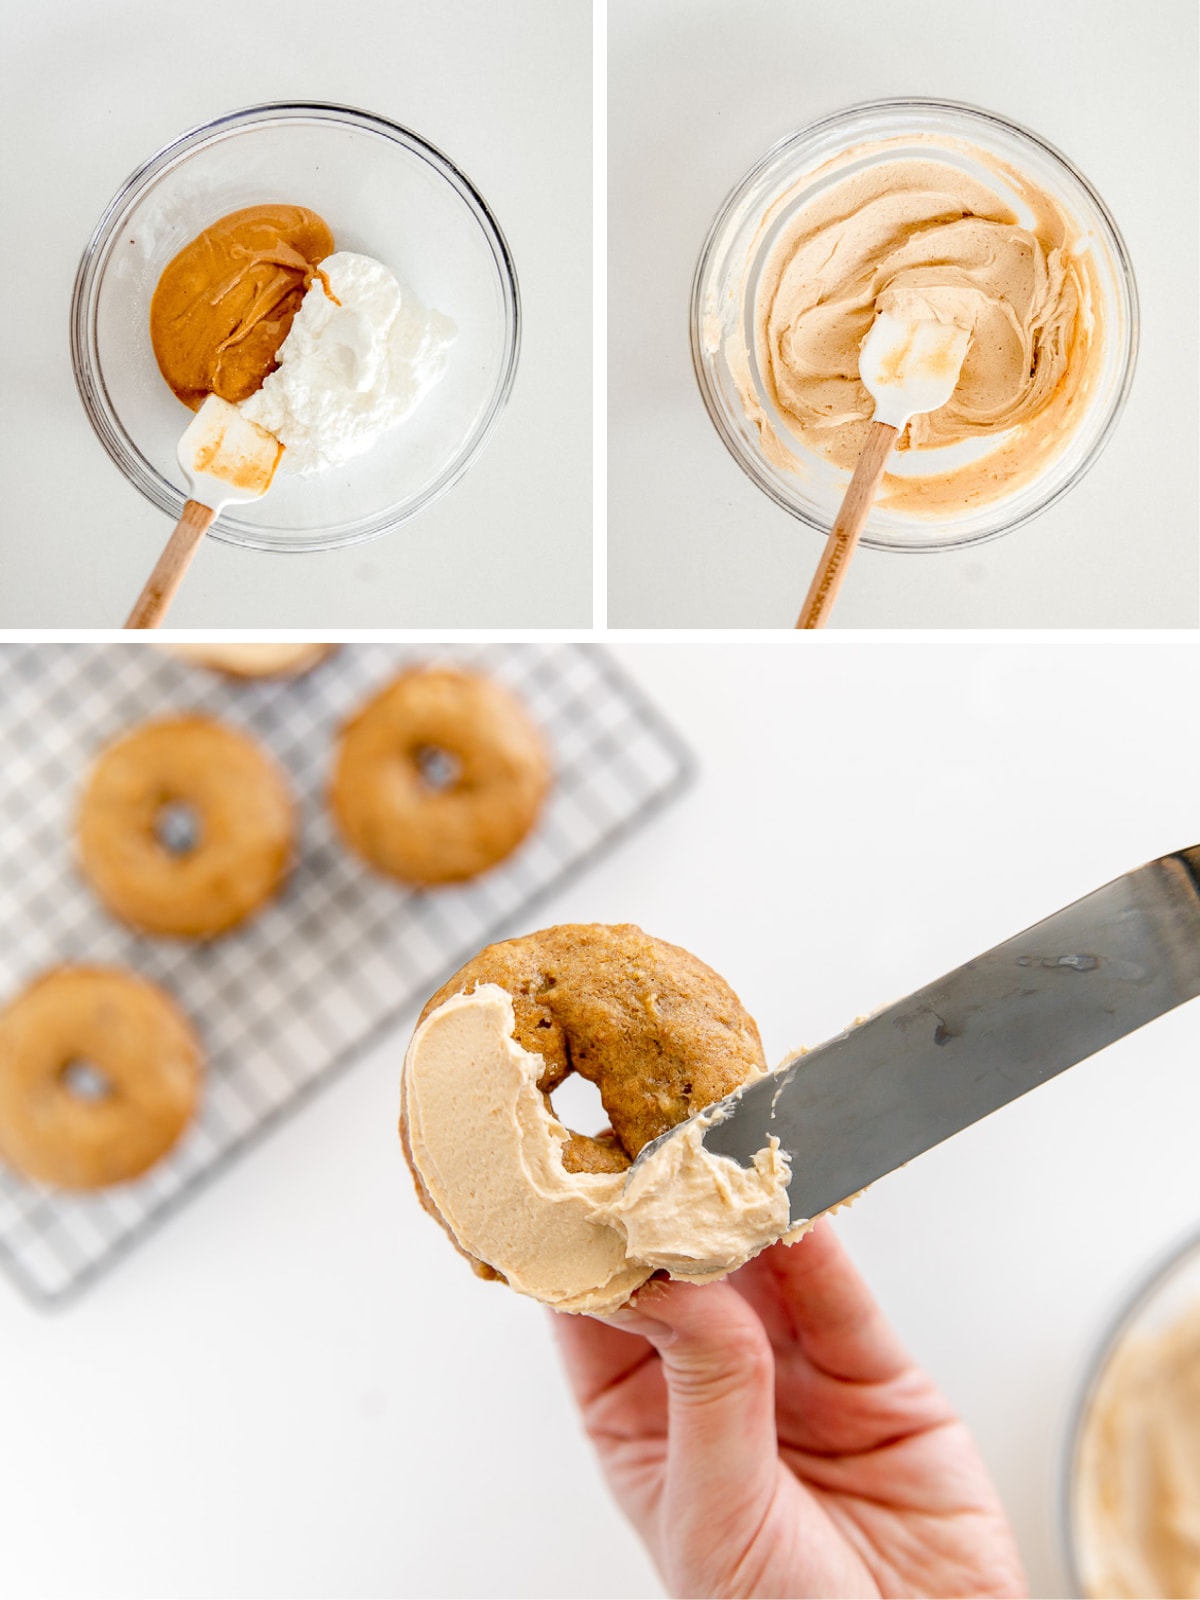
[722, 1451]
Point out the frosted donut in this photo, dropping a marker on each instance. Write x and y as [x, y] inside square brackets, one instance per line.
[553, 1212]
[186, 827]
[658, 1032]
[253, 660]
[439, 777]
[132, 1045]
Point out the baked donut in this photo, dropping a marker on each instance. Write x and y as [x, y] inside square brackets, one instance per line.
[253, 660]
[660, 1034]
[186, 827]
[439, 777]
[553, 1212]
[99, 1075]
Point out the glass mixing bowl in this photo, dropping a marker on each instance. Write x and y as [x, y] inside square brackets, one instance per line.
[1170, 1291]
[725, 286]
[385, 193]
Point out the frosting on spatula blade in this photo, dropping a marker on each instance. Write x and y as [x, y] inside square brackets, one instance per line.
[911, 367]
[228, 459]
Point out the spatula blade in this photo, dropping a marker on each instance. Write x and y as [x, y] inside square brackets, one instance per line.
[921, 1070]
[228, 459]
[910, 368]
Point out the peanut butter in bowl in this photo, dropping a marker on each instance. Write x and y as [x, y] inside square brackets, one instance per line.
[225, 303]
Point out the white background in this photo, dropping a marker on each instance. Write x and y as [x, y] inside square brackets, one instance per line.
[700, 89]
[296, 1387]
[90, 90]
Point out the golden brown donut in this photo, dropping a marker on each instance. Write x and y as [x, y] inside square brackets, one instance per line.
[253, 660]
[388, 801]
[658, 1032]
[244, 827]
[141, 1046]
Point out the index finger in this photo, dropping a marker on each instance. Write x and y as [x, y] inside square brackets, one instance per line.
[810, 1294]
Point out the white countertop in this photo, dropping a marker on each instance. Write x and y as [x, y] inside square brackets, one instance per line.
[295, 1387]
[90, 91]
[699, 90]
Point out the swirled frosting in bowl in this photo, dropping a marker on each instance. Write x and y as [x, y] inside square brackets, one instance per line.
[1138, 1473]
[922, 238]
[906, 202]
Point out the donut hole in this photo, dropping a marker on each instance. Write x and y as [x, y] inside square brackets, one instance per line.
[437, 768]
[577, 1105]
[178, 828]
[85, 1081]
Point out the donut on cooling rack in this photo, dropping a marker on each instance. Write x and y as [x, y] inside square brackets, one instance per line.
[99, 1075]
[253, 660]
[439, 777]
[555, 1213]
[186, 827]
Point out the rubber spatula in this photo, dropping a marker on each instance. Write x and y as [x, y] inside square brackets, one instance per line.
[907, 368]
[228, 461]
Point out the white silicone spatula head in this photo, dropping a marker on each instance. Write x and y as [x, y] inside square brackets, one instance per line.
[228, 461]
[910, 367]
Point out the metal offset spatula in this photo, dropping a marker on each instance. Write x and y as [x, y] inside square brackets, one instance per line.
[869, 1100]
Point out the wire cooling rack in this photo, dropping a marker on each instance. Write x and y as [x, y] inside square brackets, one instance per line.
[291, 999]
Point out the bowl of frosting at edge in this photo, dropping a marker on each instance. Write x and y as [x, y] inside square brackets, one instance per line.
[742, 247]
[385, 193]
[1131, 1467]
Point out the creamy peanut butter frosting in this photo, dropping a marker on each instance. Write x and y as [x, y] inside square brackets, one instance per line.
[924, 239]
[488, 1152]
[1138, 1482]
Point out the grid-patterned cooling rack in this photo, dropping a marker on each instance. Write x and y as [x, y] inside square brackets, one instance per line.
[295, 995]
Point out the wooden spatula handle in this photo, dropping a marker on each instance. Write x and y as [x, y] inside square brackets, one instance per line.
[839, 547]
[162, 583]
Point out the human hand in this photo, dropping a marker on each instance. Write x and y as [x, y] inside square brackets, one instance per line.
[768, 1435]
